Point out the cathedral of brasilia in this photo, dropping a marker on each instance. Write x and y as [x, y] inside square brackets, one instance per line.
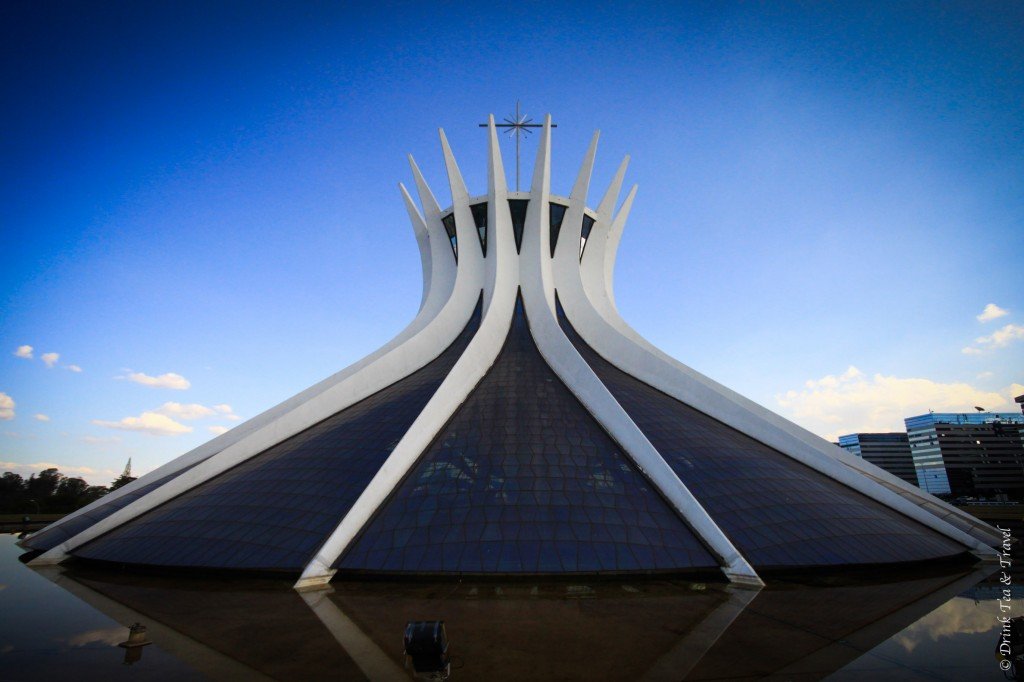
[517, 426]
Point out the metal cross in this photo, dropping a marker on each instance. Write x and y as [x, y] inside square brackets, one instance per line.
[517, 126]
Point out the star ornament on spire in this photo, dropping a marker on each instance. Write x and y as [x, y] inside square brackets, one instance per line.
[515, 127]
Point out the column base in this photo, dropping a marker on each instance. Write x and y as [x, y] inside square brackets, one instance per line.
[743, 580]
[312, 583]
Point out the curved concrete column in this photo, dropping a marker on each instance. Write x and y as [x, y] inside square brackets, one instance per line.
[422, 341]
[576, 374]
[480, 354]
[439, 269]
[584, 296]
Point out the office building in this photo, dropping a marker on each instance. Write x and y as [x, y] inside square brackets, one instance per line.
[889, 451]
[968, 454]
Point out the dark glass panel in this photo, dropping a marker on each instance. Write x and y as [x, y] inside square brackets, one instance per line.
[518, 209]
[51, 536]
[588, 225]
[449, 226]
[480, 219]
[557, 213]
[777, 511]
[524, 480]
[274, 510]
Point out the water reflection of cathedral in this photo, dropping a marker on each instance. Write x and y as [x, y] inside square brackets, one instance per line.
[653, 630]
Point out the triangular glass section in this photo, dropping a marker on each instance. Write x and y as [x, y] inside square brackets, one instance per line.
[524, 480]
[51, 536]
[778, 512]
[449, 227]
[556, 215]
[273, 511]
[517, 207]
[480, 220]
[588, 225]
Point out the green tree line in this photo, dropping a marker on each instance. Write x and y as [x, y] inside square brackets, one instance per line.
[50, 492]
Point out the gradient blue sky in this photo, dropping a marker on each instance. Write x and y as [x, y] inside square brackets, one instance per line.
[209, 190]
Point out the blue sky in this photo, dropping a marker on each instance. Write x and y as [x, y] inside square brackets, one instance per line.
[200, 208]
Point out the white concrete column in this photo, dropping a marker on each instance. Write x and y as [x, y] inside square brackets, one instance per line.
[471, 367]
[433, 330]
[584, 296]
[439, 270]
[576, 374]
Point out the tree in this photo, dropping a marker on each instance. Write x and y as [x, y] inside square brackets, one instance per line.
[120, 481]
[73, 493]
[48, 492]
[13, 494]
[43, 486]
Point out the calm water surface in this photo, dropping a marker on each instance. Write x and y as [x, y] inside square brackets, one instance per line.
[66, 623]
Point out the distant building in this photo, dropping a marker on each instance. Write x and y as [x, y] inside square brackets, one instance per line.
[1020, 401]
[968, 454]
[890, 451]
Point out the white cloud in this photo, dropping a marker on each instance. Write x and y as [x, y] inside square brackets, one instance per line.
[956, 617]
[1004, 336]
[185, 411]
[6, 406]
[985, 375]
[112, 636]
[225, 410]
[50, 359]
[74, 368]
[148, 422]
[998, 339]
[991, 312]
[217, 430]
[855, 403]
[27, 469]
[40, 417]
[168, 380]
[101, 440]
[24, 352]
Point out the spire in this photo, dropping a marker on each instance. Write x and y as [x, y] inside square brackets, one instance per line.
[419, 228]
[455, 181]
[427, 200]
[582, 184]
[607, 205]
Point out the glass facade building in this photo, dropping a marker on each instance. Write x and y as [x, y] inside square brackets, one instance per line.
[975, 454]
[889, 451]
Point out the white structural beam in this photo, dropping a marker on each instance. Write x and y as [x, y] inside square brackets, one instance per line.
[598, 280]
[419, 226]
[442, 260]
[591, 313]
[576, 374]
[439, 281]
[392, 363]
[465, 375]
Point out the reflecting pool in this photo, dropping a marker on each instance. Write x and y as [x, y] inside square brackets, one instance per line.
[68, 622]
